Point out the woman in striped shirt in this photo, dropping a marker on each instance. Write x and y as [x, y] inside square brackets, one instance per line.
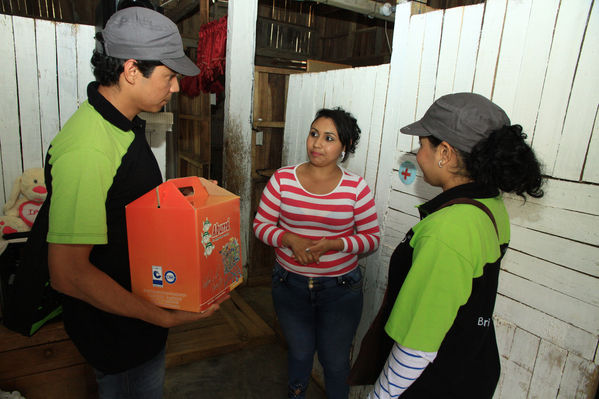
[319, 217]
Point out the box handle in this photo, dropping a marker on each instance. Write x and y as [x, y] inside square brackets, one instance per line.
[199, 192]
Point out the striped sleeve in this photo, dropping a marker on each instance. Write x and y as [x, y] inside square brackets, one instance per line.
[267, 218]
[367, 232]
[402, 368]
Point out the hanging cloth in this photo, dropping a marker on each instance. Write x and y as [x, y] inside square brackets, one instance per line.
[211, 55]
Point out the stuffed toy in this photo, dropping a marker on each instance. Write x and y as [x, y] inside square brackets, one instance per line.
[21, 208]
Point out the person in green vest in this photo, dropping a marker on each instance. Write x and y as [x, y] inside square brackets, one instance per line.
[98, 163]
[434, 335]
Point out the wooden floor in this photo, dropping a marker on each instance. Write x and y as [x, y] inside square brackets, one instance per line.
[48, 366]
[233, 327]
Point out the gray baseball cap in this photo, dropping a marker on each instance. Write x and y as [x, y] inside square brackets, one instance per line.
[461, 119]
[143, 34]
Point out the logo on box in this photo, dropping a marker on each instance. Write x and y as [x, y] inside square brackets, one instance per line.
[157, 276]
[170, 277]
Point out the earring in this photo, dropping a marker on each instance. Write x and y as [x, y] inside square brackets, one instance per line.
[440, 165]
[342, 154]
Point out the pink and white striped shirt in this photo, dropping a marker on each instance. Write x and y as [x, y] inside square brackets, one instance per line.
[348, 212]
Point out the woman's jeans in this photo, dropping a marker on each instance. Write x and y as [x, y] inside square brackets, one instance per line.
[142, 382]
[318, 314]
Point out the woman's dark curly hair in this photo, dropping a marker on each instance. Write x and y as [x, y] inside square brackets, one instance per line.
[347, 127]
[107, 69]
[505, 161]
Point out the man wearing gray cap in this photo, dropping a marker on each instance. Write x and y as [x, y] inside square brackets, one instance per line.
[98, 163]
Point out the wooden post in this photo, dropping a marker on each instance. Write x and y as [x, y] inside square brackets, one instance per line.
[239, 82]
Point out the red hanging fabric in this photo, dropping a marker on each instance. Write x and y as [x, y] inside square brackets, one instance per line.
[211, 55]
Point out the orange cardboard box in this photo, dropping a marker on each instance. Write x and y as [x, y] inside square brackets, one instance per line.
[184, 244]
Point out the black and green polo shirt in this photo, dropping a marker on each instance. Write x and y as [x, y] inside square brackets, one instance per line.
[98, 163]
[446, 271]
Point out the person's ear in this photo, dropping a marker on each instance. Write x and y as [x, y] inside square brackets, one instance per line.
[130, 71]
[443, 151]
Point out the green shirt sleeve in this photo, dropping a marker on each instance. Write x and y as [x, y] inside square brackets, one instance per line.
[85, 156]
[80, 183]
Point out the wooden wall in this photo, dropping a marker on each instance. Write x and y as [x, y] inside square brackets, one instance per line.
[72, 11]
[536, 59]
[45, 71]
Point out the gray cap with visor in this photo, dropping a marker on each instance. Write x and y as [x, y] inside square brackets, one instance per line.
[460, 119]
[146, 35]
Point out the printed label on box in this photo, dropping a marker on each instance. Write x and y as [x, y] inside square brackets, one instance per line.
[156, 276]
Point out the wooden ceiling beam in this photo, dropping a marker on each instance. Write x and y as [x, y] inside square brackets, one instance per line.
[367, 7]
[178, 9]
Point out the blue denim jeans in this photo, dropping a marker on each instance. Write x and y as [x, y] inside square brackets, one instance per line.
[319, 314]
[145, 381]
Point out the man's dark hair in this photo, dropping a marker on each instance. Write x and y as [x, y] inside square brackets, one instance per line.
[107, 69]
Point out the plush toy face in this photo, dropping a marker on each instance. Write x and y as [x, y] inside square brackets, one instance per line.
[33, 185]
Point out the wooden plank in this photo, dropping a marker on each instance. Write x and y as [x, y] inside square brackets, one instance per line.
[313, 86]
[85, 46]
[582, 107]
[411, 79]
[560, 72]
[47, 77]
[342, 94]
[362, 85]
[303, 117]
[67, 66]
[579, 378]
[531, 77]
[468, 49]
[562, 334]
[291, 120]
[51, 332]
[398, 82]
[547, 374]
[29, 106]
[448, 56]
[400, 222]
[490, 38]
[331, 84]
[562, 279]
[193, 345]
[562, 251]
[515, 382]
[156, 137]
[74, 382]
[428, 68]
[275, 124]
[375, 126]
[504, 332]
[259, 326]
[510, 57]
[234, 326]
[259, 68]
[9, 109]
[404, 203]
[37, 359]
[524, 349]
[558, 305]
[560, 222]
[591, 167]
[566, 195]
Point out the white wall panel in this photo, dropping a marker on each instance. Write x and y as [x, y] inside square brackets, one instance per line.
[563, 59]
[48, 82]
[582, 107]
[10, 147]
[27, 85]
